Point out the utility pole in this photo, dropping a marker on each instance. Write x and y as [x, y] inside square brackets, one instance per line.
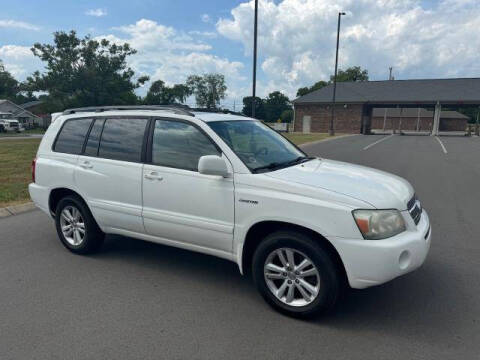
[386, 109]
[254, 57]
[418, 119]
[477, 129]
[385, 119]
[332, 130]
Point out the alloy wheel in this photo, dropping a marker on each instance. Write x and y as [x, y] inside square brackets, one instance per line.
[292, 277]
[72, 225]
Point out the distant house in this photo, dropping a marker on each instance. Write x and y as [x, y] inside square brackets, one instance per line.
[35, 107]
[25, 117]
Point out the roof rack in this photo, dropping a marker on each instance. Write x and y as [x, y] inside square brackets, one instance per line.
[220, 111]
[177, 109]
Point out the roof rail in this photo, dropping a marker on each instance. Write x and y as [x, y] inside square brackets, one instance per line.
[177, 109]
[220, 111]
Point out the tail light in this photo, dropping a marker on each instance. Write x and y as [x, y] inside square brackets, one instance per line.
[34, 162]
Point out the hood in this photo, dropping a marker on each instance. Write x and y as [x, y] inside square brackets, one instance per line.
[380, 189]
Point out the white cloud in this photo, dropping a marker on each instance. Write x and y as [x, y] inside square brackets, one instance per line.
[170, 55]
[297, 38]
[205, 18]
[13, 24]
[19, 60]
[96, 12]
[206, 34]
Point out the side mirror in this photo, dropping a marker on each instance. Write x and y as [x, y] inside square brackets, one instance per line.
[212, 165]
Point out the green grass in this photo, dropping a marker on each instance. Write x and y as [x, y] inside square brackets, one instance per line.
[299, 138]
[15, 169]
[23, 133]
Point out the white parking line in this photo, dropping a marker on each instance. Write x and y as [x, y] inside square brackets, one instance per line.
[441, 144]
[378, 141]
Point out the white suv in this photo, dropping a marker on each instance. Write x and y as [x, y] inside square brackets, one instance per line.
[229, 186]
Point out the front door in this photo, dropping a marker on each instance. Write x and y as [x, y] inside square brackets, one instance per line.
[306, 124]
[179, 203]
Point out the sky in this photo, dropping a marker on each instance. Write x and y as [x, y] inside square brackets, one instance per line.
[296, 44]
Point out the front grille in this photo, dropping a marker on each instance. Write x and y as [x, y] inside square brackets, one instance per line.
[415, 209]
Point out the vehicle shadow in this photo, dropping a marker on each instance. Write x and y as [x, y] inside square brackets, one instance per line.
[168, 260]
[409, 306]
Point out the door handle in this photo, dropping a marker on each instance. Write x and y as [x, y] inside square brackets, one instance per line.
[86, 165]
[153, 176]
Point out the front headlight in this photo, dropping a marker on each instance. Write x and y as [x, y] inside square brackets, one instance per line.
[379, 224]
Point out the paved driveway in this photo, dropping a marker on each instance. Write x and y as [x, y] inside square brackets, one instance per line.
[137, 300]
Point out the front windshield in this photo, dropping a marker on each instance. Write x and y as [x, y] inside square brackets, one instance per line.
[258, 146]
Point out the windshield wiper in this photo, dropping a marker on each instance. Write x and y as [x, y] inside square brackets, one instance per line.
[270, 166]
[277, 165]
[299, 160]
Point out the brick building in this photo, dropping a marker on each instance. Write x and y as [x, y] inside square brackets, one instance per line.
[357, 104]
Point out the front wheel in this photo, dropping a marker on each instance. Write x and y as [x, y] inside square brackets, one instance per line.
[76, 227]
[295, 275]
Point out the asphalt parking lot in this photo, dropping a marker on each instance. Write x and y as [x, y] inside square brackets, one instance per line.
[137, 300]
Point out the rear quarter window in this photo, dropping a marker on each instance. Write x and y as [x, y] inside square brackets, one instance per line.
[71, 138]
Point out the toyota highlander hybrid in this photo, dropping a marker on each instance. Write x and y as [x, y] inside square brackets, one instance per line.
[229, 186]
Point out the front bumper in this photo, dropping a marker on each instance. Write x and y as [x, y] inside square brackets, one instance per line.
[373, 262]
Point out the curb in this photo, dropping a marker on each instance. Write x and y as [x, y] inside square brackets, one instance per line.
[327, 139]
[16, 209]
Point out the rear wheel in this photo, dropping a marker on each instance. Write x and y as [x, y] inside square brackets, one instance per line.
[76, 227]
[295, 274]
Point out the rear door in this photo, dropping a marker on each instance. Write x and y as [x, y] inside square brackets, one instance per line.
[179, 203]
[109, 172]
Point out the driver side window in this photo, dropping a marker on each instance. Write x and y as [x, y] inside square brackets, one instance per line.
[179, 145]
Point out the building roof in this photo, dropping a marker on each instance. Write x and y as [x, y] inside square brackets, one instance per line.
[426, 91]
[18, 109]
[413, 113]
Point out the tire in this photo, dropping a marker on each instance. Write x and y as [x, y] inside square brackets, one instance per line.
[73, 207]
[327, 279]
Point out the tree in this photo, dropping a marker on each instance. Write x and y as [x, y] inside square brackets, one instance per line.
[208, 89]
[8, 84]
[305, 90]
[287, 116]
[354, 73]
[275, 104]
[11, 89]
[259, 107]
[159, 94]
[84, 72]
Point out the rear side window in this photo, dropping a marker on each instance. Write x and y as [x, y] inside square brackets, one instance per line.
[72, 136]
[91, 148]
[122, 139]
[179, 145]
